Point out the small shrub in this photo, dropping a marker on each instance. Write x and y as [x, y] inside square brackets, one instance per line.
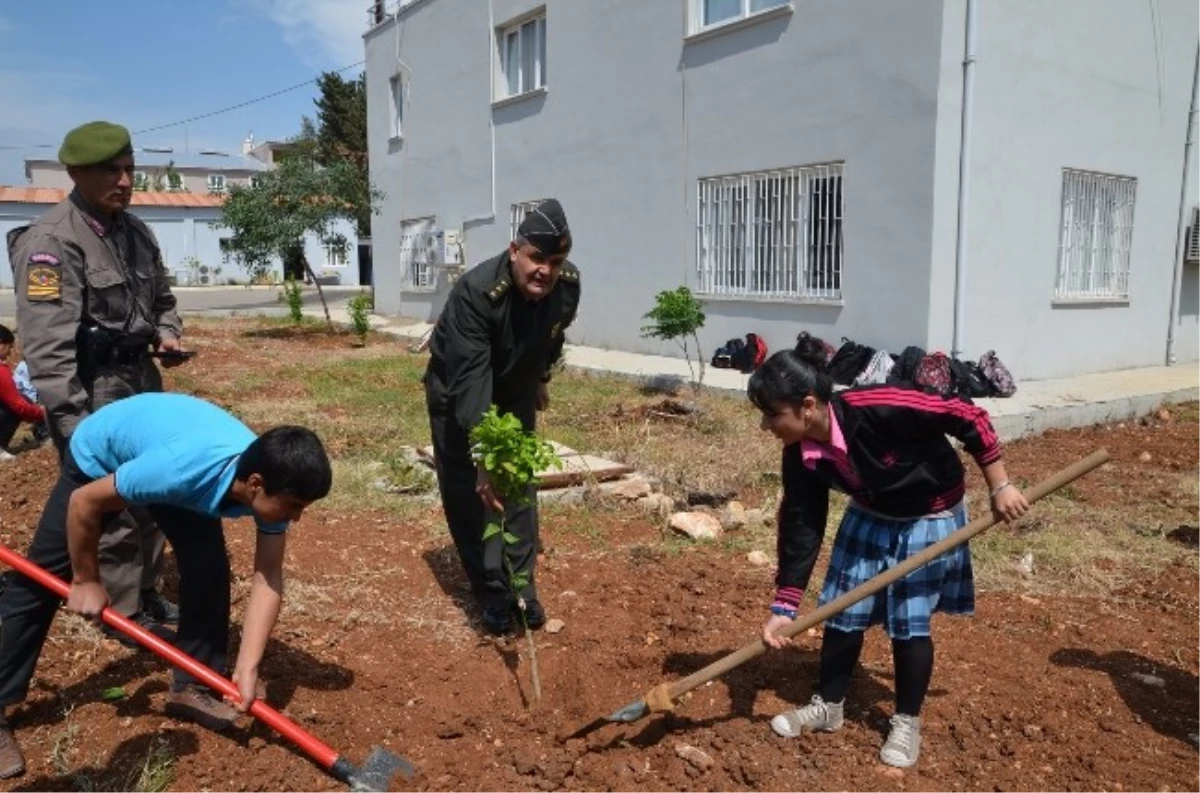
[294, 299]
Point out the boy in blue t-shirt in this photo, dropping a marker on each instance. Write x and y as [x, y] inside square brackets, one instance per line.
[190, 464]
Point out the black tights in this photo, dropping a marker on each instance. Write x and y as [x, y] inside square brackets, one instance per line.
[913, 659]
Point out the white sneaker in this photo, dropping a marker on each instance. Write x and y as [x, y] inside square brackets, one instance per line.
[816, 716]
[903, 745]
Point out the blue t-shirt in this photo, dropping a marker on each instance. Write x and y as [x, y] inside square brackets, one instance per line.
[169, 449]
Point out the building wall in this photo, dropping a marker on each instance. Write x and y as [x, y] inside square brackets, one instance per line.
[195, 180]
[1097, 85]
[634, 115]
[188, 240]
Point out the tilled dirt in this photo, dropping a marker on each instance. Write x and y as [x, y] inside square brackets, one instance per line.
[376, 646]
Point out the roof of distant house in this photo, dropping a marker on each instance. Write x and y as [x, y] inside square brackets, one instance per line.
[160, 158]
[51, 195]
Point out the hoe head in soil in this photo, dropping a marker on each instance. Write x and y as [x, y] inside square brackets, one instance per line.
[376, 773]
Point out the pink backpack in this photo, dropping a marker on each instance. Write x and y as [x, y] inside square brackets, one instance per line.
[934, 372]
[999, 379]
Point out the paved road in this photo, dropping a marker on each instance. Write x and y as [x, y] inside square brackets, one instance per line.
[222, 300]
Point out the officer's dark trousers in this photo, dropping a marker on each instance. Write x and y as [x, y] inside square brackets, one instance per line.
[467, 517]
[131, 550]
[27, 609]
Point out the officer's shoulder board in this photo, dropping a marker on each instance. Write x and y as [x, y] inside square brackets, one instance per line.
[569, 273]
[499, 289]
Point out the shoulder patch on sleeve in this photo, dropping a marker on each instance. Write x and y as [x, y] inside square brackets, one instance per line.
[44, 281]
[45, 258]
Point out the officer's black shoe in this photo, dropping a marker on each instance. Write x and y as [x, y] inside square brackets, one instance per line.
[158, 608]
[143, 621]
[497, 621]
[535, 615]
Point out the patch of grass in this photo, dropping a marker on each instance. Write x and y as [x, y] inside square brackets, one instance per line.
[157, 771]
[1083, 551]
[64, 744]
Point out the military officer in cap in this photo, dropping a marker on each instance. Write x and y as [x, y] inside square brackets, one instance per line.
[92, 301]
[495, 343]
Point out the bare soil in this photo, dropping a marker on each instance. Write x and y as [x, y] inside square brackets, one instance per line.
[377, 645]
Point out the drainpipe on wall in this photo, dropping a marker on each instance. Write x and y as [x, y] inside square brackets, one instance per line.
[964, 183]
[1181, 230]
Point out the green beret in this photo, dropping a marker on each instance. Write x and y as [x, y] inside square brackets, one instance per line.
[94, 143]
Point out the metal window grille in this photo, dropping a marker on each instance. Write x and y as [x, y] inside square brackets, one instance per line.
[416, 253]
[1192, 241]
[517, 213]
[1096, 235]
[773, 234]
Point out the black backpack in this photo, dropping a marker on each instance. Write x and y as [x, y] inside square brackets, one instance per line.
[905, 370]
[967, 380]
[849, 361]
[729, 355]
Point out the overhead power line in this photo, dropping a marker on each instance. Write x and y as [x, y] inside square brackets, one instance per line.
[201, 116]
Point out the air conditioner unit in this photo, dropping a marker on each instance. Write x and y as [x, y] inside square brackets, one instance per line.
[1191, 247]
[446, 249]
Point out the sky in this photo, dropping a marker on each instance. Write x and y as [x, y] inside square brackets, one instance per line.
[147, 63]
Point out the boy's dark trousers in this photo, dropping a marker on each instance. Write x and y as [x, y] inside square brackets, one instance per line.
[8, 426]
[27, 609]
[466, 515]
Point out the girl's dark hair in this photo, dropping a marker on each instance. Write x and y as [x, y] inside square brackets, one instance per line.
[290, 460]
[788, 376]
[6, 335]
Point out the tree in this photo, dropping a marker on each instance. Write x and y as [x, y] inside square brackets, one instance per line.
[676, 316]
[297, 198]
[339, 134]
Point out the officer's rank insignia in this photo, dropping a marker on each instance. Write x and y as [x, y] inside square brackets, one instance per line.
[44, 280]
[554, 331]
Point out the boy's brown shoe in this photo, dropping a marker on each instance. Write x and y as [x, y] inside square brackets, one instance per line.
[12, 762]
[200, 705]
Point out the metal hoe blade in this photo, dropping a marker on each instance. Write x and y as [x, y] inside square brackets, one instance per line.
[377, 772]
[631, 712]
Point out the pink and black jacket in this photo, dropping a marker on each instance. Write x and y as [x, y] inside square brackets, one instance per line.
[901, 465]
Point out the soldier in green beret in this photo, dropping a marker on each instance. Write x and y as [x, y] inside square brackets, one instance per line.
[495, 343]
[92, 301]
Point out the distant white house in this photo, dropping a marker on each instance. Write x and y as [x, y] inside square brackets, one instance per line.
[193, 248]
[796, 163]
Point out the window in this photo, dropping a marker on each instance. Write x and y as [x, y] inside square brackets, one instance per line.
[256, 181]
[711, 13]
[336, 256]
[1095, 237]
[417, 254]
[773, 234]
[518, 213]
[523, 57]
[140, 181]
[396, 117]
[216, 183]
[174, 181]
[225, 244]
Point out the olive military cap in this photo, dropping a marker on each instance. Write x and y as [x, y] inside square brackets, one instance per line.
[94, 143]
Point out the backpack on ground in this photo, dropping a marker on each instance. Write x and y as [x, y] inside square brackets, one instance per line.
[754, 353]
[849, 361]
[934, 372]
[877, 369]
[905, 368]
[998, 378]
[725, 355]
[967, 379]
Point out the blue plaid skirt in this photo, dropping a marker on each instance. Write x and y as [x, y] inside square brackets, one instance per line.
[868, 544]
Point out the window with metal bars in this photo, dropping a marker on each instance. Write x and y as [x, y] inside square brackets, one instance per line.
[1096, 236]
[417, 254]
[517, 214]
[773, 234]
